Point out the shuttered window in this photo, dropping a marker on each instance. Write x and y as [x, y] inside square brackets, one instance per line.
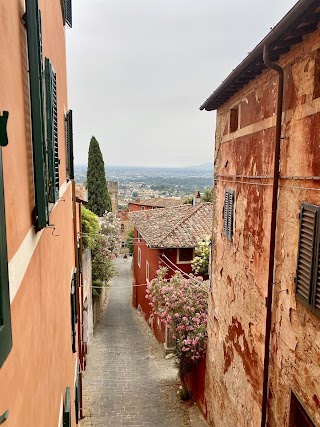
[68, 12]
[77, 397]
[308, 263]
[74, 316]
[33, 21]
[69, 145]
[52, 131]
[5, 321]
[228, 209]
[67, 409]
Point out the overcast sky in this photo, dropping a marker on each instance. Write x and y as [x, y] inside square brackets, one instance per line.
[138, 70]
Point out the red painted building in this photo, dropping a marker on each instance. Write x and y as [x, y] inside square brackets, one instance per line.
[263, 365]
[165, 238]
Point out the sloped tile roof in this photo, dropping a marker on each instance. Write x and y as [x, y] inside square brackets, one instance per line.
[177, 227]
[159, 202]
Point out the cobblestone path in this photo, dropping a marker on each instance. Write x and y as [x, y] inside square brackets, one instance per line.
[127, 381]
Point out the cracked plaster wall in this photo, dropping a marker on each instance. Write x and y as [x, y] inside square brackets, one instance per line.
[240, 268]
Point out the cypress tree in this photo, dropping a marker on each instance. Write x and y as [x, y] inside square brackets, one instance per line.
[98, 195]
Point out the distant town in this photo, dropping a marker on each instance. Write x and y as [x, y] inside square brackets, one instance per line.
[142, 183]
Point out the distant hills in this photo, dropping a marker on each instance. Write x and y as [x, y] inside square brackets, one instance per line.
[204, 166]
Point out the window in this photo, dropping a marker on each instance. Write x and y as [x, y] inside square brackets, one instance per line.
[142, 208]
[185, 255]
[234, 119]
[122, 227]
[68, 13]
[308, 262]
[37, 113]
[139, 237]
[74, 315]
[67, 409]
[147, 271]
[298, 416]
[69, 144]
[5, 319]
[77, 396]
[139, 257]
[228, 208]
[316, 89]
[52, 131]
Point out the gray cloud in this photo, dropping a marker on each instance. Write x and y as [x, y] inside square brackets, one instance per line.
[139, 70]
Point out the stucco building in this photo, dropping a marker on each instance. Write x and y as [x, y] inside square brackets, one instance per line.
[263, 365]
[165, 238]
[39, 273]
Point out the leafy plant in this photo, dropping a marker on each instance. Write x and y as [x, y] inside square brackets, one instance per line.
[90, 228]
[200, 263]
[130, 241]
[182, 304]
[98, 196]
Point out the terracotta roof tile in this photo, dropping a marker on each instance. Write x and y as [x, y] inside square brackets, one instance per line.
[160, 202]
[177, 227]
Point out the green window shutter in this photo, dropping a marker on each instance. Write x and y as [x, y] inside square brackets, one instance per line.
[308, 261]
[228, 208]
[34, 38]
[68, 12]
[73, 313]
[79, 257]
[5, 320]
[230, 214]
[52, 131]
[67, 409]
[69, 145]
[77, 397]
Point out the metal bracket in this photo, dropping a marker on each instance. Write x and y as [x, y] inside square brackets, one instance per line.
[3, 129]
[4, 417]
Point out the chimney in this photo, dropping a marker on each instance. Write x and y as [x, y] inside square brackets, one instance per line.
[196, 198]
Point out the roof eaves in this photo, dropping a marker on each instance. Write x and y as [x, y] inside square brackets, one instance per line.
[285, 32]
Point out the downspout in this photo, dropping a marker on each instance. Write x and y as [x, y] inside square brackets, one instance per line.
[273, 226]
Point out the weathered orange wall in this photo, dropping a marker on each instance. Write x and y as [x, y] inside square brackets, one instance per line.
[41, 364]
[239, 270]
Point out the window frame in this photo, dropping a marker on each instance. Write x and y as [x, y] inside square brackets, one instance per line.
[181, 261]
[147, 272]
[139, 257]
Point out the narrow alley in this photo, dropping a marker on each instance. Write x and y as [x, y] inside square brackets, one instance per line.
[128, 382]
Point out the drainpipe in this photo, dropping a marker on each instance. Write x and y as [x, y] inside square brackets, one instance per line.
[273, 225]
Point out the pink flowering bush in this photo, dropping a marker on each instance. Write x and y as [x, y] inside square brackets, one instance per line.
[182, 304]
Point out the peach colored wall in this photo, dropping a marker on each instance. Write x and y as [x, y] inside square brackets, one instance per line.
[41, 364]
[239, 269]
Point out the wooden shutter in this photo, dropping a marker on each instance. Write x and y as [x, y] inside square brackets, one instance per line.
[68, 12]
[37, 118]
[73, 313]
[67, 409]
[230, 214]
[316, 286]
[225, 213]
[69, 145]
[5, 320]
[77, 397]
[52, 131]
[306, 253]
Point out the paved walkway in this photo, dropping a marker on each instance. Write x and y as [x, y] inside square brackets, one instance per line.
[127, 381]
